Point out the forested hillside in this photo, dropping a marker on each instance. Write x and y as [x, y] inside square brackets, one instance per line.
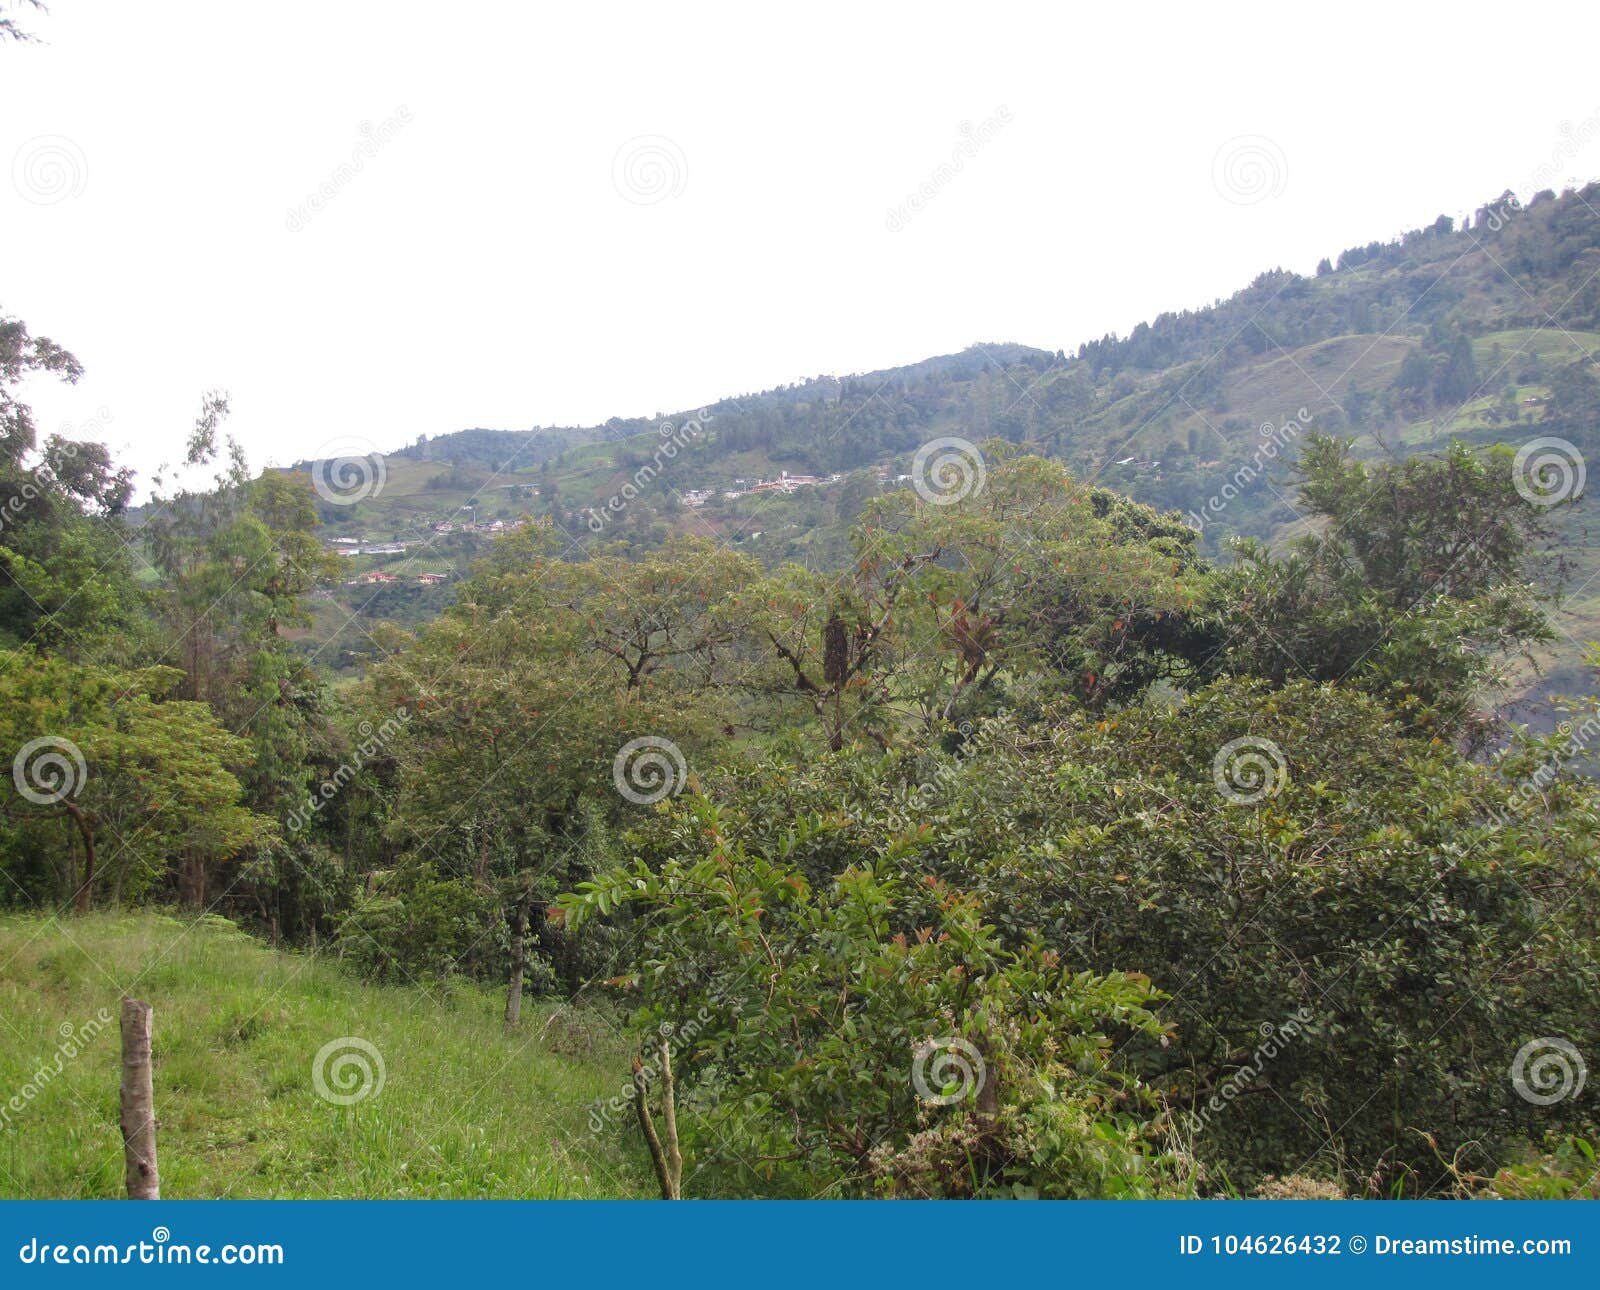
[903, 779]
[1483, 334]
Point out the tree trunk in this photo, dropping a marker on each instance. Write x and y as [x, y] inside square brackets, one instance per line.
[86, 832]
[667, 1158]
[199, 861]
[519, 962]
[138, 1104]
[560, 949]
[669, 1117]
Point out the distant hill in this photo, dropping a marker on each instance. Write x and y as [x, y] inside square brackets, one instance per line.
[1485, 332]
[522, 449]
[497, 449]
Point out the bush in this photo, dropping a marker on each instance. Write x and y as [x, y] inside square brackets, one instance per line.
[419, 927]
[1567, 1171]
[874, 1035]
[1353, 959]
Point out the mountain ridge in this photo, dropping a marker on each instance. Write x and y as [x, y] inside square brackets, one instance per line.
[1484, 333]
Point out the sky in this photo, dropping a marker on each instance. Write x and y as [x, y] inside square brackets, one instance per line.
[369, 221]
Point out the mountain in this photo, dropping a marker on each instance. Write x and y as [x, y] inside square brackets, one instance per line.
[1485, 332]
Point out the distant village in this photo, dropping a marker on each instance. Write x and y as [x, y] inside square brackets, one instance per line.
[354, 546]
[785, 484]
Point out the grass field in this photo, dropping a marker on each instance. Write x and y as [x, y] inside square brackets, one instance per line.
[463, 1110]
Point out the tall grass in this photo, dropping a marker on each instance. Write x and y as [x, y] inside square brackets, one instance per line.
[465, 1110]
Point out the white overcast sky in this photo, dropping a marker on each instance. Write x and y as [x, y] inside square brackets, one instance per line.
[483, 268]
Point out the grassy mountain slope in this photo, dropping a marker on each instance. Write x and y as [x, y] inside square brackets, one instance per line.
[464, 1110]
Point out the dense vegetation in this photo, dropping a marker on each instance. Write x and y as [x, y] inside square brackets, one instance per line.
[1014, 838]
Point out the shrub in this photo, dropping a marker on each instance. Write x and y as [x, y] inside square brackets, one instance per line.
[1353, 959]
[418, 927]
[875, 1036]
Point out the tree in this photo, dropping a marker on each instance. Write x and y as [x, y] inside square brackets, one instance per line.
[110, 755]
[1285, 863]
[874, 1035]
[10, 29]
[1034, 574]
[526, 696]
[669, 618]
[1457, 379]
[66, 582]
[238, 562]
[1426, 575]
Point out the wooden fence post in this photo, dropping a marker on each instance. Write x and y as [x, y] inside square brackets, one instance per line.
[138, 1104]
